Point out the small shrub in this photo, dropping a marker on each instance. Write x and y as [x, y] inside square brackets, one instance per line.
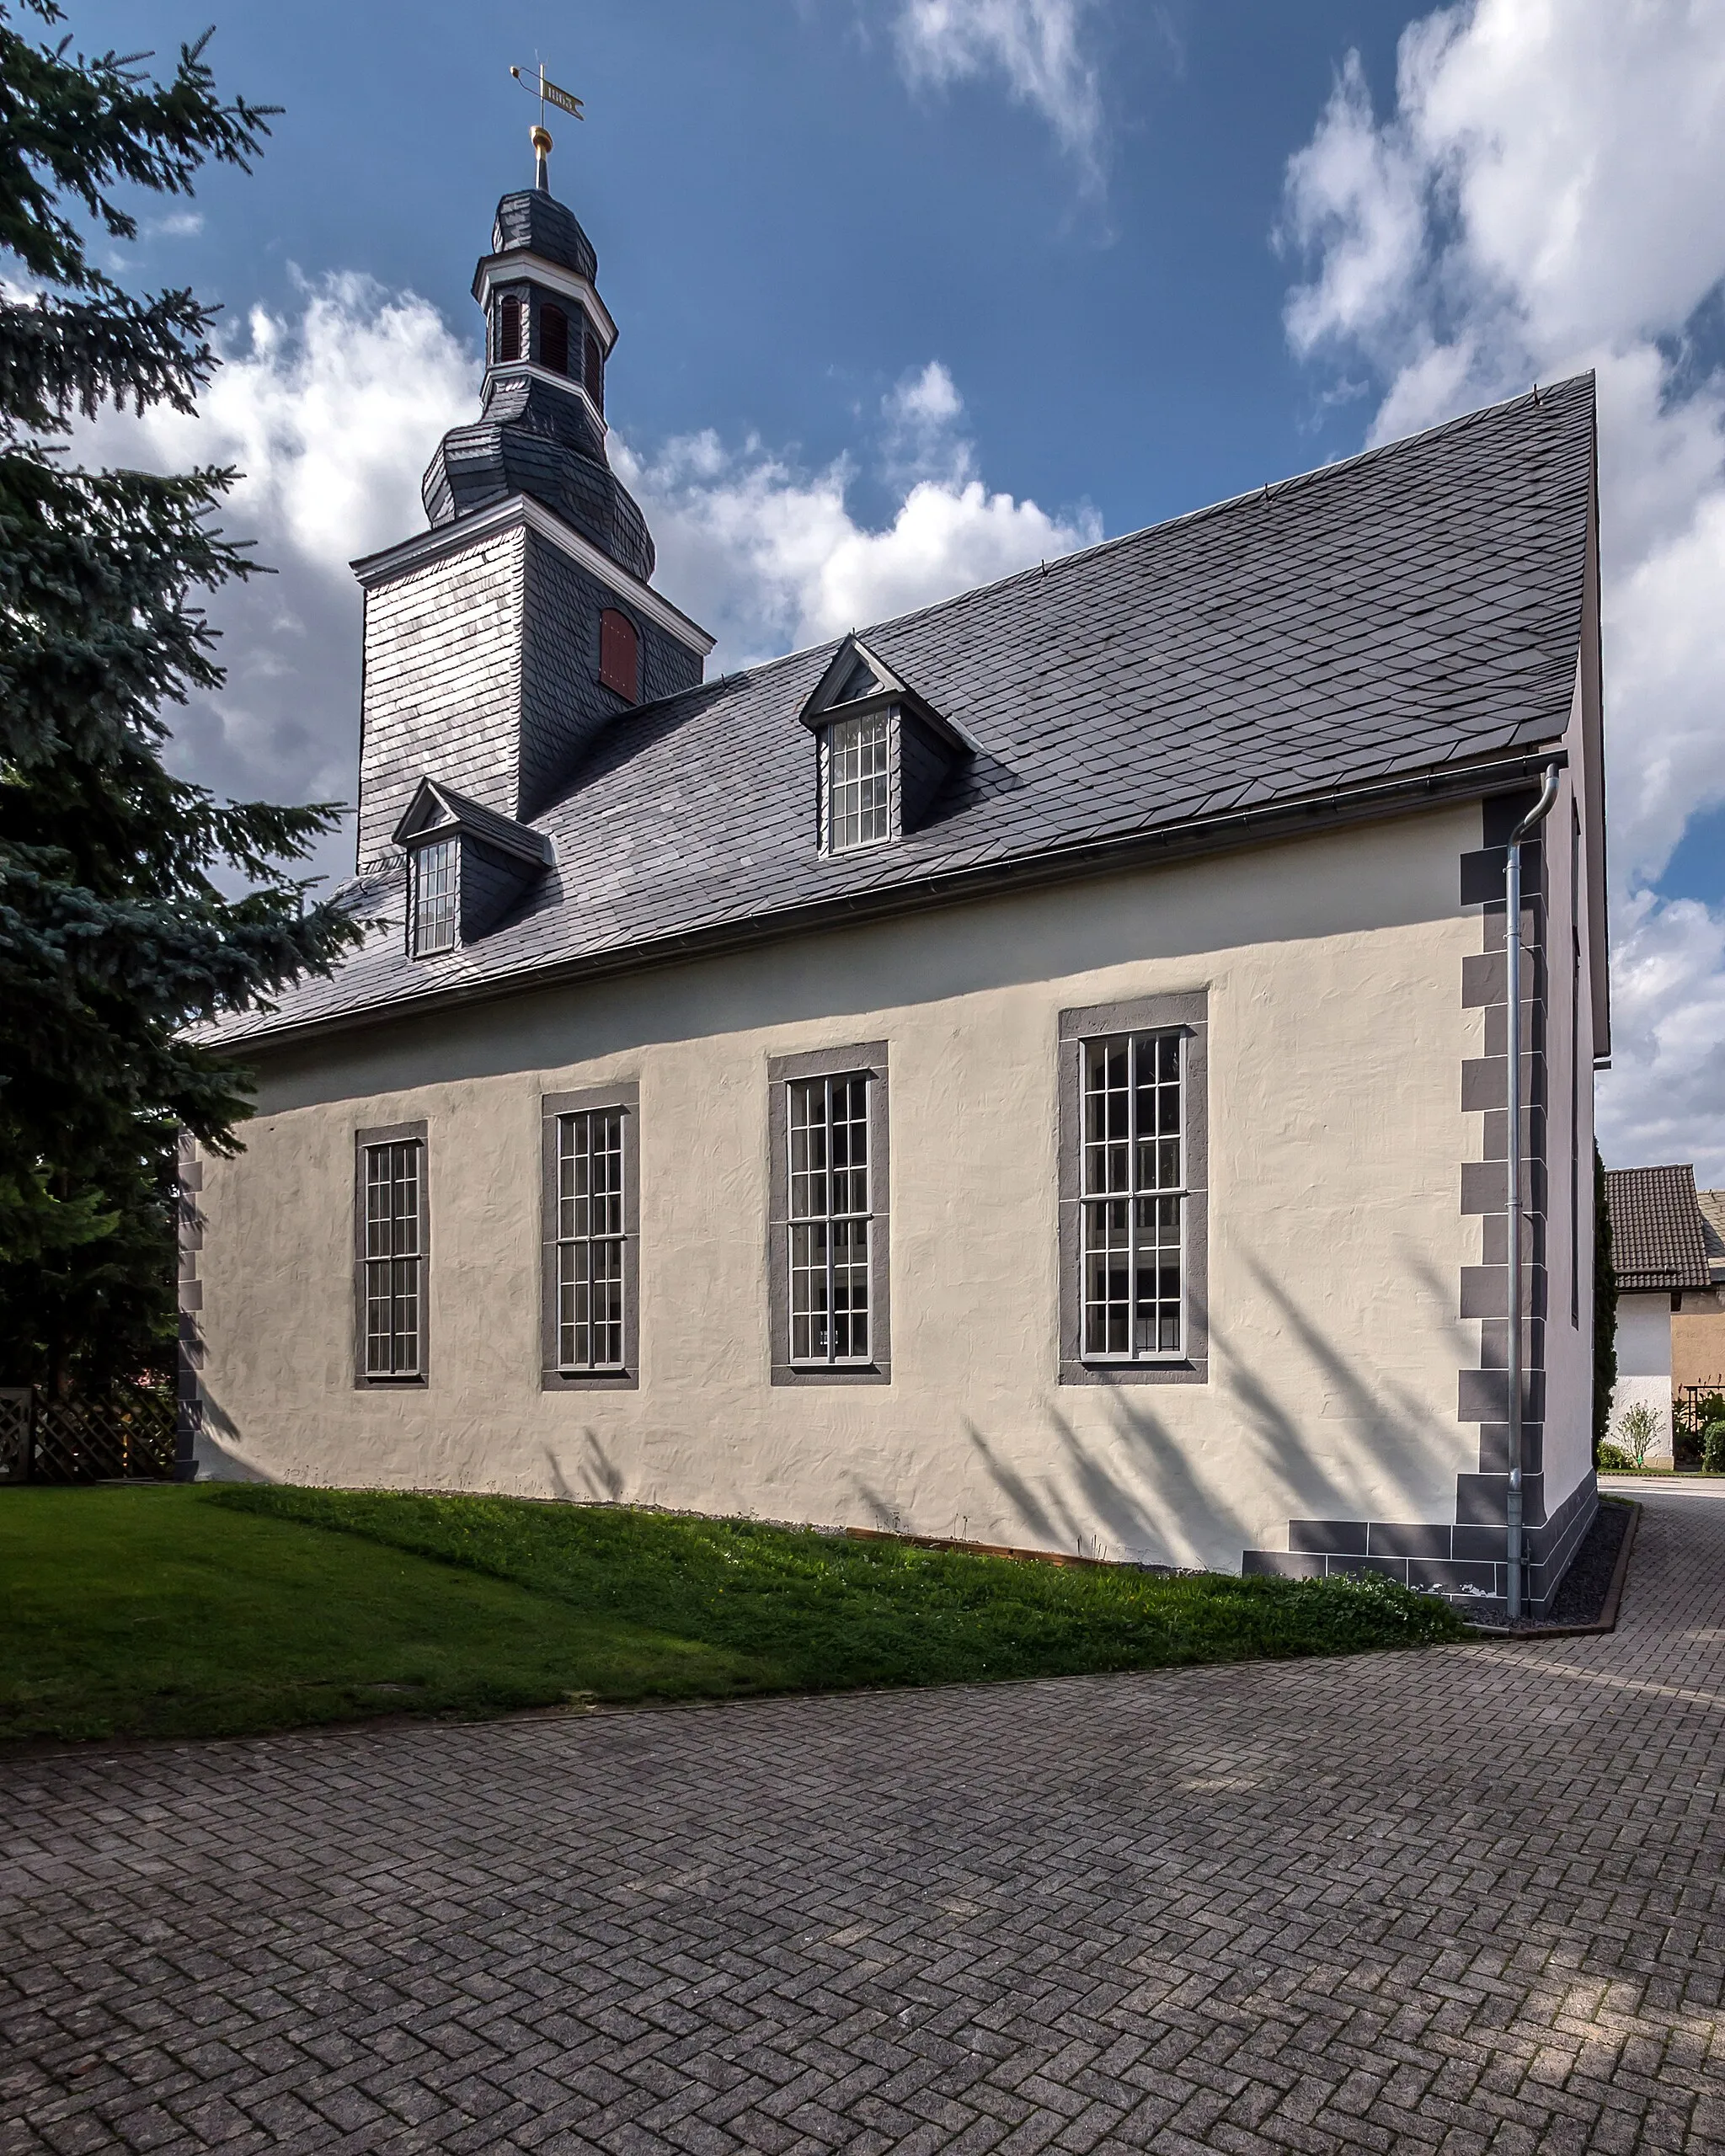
[1714, 1446]
[1639, 1425]
[1614, 1460]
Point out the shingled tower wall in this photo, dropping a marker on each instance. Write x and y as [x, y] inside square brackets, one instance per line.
[481, 642]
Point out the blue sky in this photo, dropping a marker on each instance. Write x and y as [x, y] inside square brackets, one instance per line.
[785, 226]
[914, 291]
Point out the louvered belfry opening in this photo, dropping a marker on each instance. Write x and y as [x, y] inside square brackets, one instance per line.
[553, 339]
[594, 373]
[508, 331]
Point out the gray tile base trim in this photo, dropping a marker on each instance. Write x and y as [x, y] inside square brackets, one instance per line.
[1465, 1560]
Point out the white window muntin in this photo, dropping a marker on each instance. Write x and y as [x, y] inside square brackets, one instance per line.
[589, 1240]
[395, 1258]
[1132, 1213]
[436, 896]
[831, 1214]
[857, 781]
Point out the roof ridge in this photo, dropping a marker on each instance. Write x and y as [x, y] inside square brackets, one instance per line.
[1377, 453]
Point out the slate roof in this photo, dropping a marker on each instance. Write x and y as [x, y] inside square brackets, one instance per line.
[1409, 610]
[1658, 1235]
[534, 220]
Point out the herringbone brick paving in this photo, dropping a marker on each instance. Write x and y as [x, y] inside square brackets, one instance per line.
[1467, 1900]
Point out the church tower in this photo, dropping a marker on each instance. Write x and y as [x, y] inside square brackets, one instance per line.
[500, 641]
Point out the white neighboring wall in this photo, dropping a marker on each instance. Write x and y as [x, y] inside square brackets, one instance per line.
[1644, 1365]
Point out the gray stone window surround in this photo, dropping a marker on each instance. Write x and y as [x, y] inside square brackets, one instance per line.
[843, 715]
[624, 1093]
[1187, 1012]
[866, 1057]
[392, 1133]
[919, 762]
[426, 854]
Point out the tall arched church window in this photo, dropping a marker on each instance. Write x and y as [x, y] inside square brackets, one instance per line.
[619, 655]
[594, 373]
[553, 339]
[508, 330]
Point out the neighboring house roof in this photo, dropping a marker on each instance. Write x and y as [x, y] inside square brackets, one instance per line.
[1657, 1236]
[1712, 1205]
[1394, 619]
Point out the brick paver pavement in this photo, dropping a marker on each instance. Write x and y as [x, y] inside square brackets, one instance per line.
[1467, 1900]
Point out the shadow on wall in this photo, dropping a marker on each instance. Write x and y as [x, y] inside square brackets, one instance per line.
[218, 1434]
[1141, 1492]
[597, 1478]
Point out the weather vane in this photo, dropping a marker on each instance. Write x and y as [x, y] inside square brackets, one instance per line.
[547, 93]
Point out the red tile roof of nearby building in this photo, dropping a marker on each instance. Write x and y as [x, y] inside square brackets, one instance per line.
[1657, 1238]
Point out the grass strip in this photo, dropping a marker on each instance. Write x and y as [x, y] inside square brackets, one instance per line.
[230, 1608]
[816, 1611]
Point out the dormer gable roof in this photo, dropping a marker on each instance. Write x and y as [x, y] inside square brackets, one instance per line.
[437, 811]
[857, 680]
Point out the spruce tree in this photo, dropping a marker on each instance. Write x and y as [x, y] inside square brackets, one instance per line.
[132, 904]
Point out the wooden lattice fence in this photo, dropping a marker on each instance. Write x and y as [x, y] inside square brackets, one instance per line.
[127, 1435]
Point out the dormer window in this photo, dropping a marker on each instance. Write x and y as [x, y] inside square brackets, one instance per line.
[468, 867]
[858, 776]
[508, 330]
[620, 654]
[553, 339]
[436, 895]
[885, 752]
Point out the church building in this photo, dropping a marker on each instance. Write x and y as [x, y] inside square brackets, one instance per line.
[1030, 1072]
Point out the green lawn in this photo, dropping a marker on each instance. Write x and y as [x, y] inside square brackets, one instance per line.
[225, 1609]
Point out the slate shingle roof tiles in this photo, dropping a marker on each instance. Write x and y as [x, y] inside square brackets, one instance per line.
[1392, 614]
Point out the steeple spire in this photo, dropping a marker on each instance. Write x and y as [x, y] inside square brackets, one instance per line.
[548, 93]
[548, 335]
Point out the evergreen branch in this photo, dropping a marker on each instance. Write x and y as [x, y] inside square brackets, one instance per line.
[58, 356]
[79, 127]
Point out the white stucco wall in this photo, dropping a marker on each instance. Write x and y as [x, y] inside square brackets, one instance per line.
[1337, 1033]
[1644, 1365]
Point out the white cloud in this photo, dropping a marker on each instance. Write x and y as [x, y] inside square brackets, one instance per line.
[1669, 1026]
[331, 417]
[1548, 193]
[330, 414]
[770, 556]
[332, 411]
[1037, 46]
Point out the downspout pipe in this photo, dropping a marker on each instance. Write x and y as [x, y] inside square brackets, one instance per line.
[1513, 1176]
